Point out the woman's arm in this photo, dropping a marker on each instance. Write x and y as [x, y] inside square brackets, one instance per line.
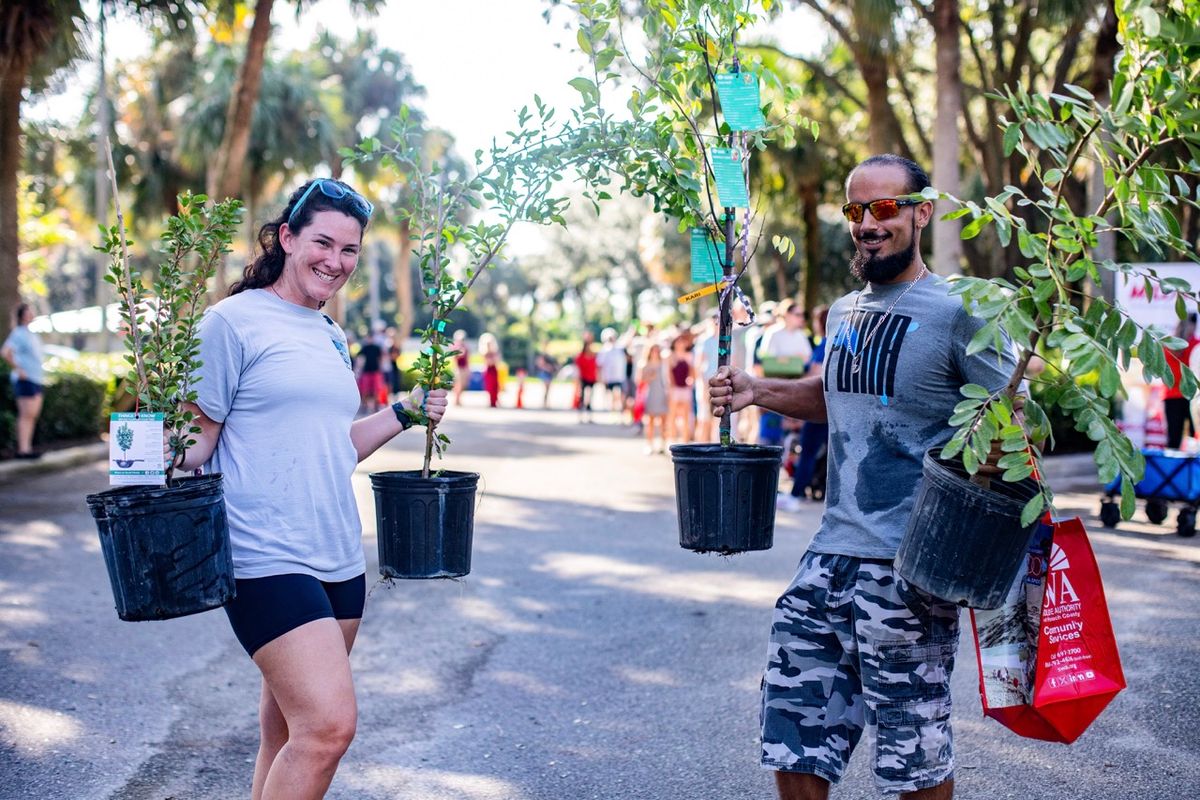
[9, 355]
[205, 442]
[370, 433]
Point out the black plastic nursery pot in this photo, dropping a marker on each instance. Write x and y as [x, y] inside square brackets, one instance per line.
[424, 525]
[726, 496]
[965, 543]
[166, 547]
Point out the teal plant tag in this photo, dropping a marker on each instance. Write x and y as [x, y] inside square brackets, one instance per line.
[740, 103]
[706, 263]
[731, 180]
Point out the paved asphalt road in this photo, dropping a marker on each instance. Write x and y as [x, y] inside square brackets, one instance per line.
[586, 656]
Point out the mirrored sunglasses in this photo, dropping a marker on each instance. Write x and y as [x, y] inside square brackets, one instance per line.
[880, 209]
[334, 191]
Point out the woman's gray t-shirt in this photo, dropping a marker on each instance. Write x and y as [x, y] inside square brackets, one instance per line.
[278, 377]
[884, 417]
[27, 352]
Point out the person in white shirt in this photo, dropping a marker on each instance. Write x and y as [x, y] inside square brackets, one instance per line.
[611, 362]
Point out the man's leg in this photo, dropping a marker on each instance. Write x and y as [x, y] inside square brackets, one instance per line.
[812, 709]
[906, 645]
[799, 786]
[943, 791]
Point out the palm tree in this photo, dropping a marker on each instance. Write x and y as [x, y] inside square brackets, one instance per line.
[36, 37]
[944, 17]
[225, 179]
[290, 132]
[866, 29]
[372, 84]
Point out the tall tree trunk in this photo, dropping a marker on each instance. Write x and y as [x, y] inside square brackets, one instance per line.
[884, 134]
[781, 270]
[103, 123]
[947, 245]
[402, 277]
[810, 198]
[12, 80]
[225, 179]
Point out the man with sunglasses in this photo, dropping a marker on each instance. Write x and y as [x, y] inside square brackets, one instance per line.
[853, 645]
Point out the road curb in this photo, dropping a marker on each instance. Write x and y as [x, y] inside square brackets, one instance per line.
[53, 461]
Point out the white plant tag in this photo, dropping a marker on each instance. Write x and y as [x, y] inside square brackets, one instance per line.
[135, 450]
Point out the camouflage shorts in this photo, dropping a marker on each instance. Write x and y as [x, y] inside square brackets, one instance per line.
[854, 644]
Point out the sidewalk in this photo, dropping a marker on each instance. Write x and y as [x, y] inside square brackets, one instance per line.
[53, 461]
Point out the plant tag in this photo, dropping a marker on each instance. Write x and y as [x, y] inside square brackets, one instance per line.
[740, 103]
[706, 264]
[707, 290]
[135, 450]
[731, 179]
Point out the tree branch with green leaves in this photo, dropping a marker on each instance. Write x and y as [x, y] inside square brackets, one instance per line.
[1142, 142]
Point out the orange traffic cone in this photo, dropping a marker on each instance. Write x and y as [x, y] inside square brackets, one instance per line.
[520, 388]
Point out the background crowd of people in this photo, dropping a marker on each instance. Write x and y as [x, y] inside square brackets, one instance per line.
[652, 379]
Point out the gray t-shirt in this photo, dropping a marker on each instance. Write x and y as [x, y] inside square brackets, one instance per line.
[883, 418]
[278, 377]
[27, 352]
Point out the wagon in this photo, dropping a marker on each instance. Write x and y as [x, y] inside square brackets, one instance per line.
[1172, 476]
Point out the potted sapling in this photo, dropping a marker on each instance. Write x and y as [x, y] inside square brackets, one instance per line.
[166, 544]
[425, 518]
[697, 172]
[968, 535]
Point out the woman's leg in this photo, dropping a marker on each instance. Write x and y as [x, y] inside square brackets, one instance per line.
[307, 672]
[28, 410]
[273, 729]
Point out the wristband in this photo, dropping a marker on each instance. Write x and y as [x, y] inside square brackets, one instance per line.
[403, 415]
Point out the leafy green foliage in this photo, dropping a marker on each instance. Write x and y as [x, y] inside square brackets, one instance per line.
[527, 174]
[160, 320]
[1148, 136]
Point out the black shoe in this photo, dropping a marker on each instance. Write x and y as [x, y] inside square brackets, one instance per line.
[31, 456]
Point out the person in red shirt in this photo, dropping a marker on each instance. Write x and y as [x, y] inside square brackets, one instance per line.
[1176, 407]
[585, 364]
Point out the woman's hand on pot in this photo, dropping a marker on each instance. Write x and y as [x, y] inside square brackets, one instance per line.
[730, 388]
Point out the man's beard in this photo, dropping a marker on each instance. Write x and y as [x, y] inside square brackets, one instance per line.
[882, 269]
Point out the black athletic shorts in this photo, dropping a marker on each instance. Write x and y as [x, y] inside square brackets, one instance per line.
[267, 608]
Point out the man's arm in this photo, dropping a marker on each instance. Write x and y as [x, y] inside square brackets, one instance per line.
[801, 399]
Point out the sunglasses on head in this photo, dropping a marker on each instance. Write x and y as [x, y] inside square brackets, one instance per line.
[883, 209]
[334, 191]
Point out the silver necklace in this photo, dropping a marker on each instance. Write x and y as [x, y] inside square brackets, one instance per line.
[855, 364]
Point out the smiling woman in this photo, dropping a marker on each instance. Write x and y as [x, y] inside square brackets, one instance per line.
[277, 404]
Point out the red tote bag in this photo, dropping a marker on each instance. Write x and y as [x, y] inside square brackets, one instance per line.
[1048, 662]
